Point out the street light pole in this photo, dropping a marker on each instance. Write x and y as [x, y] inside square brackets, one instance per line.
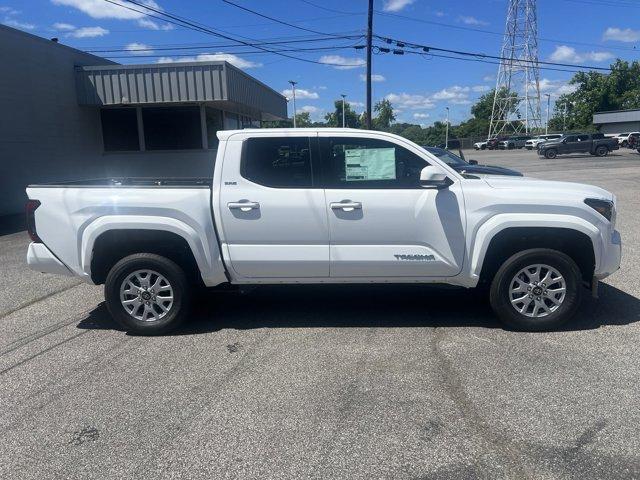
[546, 127]
[564, 118]
[369, 47]
[343, 121]
[293, 87]
[446, 135]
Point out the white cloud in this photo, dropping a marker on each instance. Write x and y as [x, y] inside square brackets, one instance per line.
[301, 93]
[88, 32]
[16, 24]
[102, 9]
[9, 11]
[412, 102]
[396, 5]
[342, 63]
[310, 109]
[566, 54]
[63, 26]
[151, 25]
[480, 88]
[555, 87]
[138, 48]
[488, 78]
[621, 35]
[374, 77]
[440, 14]
[213, 57]
[468, 20]
[420, 115]
[456, 95]
[356, 104]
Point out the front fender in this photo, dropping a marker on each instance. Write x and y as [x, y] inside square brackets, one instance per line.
[496, 224]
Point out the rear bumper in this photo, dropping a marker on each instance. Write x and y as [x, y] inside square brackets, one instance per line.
[40, 259]
[611, 256]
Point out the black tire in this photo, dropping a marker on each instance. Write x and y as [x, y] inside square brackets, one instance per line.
[550, 154]
[173, 274]
[500, 296]
[602, 151]
[483, 147]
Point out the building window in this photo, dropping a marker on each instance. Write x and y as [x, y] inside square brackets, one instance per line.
[172, 128]
[277, 162]
[119, 129]
[214, 123]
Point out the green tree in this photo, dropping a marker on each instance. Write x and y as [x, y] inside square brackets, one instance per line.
[385, 115]
[597, 92]
[334, 119]
[303, 119]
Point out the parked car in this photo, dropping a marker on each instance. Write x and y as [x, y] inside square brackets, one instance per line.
[510, 143]
[493, 143]
[533, 143]
[593, 143]
[480, 145]
[633, 140]
[291, 206]
[624, 140]
[471, 166]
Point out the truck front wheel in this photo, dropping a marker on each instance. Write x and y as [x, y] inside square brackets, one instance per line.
[147, 294]
[551, 153]
[536, 290]
[602, 151]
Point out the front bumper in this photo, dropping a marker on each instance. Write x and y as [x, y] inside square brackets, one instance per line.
[40, 259]
[610, 256]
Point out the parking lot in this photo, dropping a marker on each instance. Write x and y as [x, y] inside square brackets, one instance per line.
[337, 382]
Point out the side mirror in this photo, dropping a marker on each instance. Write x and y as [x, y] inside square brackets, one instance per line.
[564, 140]
[473, 162]
[432, 177]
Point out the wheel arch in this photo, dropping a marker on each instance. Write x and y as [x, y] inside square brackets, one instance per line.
[109, 239]
[498, 240]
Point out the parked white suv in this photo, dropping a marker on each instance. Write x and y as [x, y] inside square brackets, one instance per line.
[480, 145]
[533, 143]
[623, 138]
[293, 206]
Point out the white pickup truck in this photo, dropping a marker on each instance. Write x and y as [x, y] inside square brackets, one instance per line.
[317, 206]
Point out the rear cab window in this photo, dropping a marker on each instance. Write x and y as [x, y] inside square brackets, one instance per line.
[278, 162]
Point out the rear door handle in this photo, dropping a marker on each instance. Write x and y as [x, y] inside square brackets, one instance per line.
[346, 206]
[243, 206]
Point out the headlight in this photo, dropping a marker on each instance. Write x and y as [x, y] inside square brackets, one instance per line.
[603, 207]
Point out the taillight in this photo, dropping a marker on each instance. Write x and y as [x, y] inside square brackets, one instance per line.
[30, 209]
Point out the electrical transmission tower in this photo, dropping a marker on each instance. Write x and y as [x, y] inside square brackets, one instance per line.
[516, 104]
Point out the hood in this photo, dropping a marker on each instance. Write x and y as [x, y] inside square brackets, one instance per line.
[548, 186]
[486, 170]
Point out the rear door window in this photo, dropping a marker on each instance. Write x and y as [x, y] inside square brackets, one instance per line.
[280, 162]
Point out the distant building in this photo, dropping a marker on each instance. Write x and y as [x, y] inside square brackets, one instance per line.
[69, 115]
[617, 121]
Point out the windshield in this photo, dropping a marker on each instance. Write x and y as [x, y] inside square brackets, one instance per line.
[446, 156]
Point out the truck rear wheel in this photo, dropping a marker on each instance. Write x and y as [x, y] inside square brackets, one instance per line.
[536, 290]
[551, 153]
[602, 151]
[147, 294]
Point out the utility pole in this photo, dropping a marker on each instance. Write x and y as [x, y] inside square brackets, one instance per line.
[446, 135]
[564, 118]
[546, 127]
[343, 122]
[293, 86]
[369, 41]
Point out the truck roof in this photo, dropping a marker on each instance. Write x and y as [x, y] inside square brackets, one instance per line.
[225, 134]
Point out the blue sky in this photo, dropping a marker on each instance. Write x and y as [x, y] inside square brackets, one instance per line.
[592, 32]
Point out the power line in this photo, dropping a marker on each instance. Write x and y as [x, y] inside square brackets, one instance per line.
[277, 20]
[428, 48]
[204, 29]
[200, 46]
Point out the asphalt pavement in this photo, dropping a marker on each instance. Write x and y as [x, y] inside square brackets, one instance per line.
[325, 382]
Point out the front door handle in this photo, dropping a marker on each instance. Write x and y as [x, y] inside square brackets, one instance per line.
[243, 206]
[346, 206]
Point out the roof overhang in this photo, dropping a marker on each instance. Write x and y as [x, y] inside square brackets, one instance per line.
[219, 84]
[618, 116]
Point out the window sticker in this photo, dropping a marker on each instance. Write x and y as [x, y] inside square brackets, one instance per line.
[362, 164]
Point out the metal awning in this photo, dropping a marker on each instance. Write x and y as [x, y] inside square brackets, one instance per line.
[217, 83]
[616, 116]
